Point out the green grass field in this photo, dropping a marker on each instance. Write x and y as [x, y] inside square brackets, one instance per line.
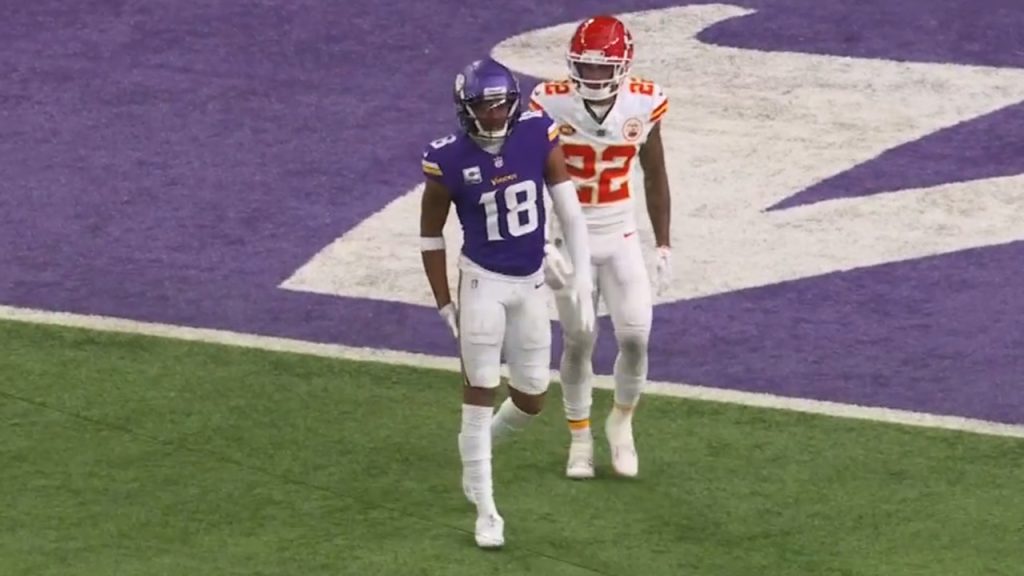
[137, 456]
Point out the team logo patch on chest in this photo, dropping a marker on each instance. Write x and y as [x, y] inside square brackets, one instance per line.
[632, 129]
[472, 175]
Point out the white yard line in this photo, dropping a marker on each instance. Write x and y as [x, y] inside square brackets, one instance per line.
[108, 324]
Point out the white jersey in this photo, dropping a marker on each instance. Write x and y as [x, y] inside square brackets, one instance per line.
[602, 157]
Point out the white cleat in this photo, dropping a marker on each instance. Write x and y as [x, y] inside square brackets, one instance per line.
[490, 531]
[581, 461]
[623, 450]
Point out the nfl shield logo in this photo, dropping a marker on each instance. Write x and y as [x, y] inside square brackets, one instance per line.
[498, 162]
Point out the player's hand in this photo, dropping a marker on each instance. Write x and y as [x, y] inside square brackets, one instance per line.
[450, 315]
[557, 272]
[664, 269]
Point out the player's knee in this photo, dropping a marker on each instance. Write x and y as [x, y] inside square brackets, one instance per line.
[577, 342]
[580, 339]
[531, 383]
[487, 377]
[632, 343]
[531, 404]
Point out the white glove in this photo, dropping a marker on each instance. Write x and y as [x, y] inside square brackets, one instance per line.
[451, 317]
[664, 268]
[558, 274]
[557, 271]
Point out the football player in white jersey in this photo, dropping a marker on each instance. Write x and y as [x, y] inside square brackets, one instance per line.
[608, 120]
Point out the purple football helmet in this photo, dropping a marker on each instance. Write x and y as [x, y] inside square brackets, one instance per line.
[483, 91]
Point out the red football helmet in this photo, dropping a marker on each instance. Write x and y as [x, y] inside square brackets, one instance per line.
[600, 55]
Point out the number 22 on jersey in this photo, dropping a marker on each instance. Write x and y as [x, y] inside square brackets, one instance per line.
[612, 172]
[520, 211]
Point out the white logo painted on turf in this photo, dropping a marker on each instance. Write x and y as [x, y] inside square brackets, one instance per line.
[747, 129]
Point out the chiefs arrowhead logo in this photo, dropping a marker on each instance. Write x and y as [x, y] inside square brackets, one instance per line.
[632, 129]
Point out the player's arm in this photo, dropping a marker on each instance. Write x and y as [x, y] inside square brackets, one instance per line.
[434, 209]
[570, 214]
[659, 201]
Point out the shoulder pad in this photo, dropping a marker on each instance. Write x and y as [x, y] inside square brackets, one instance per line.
[544, 92]
[542, 122]
[643, 87]
[433, 155]
[650, 97]
[553, 88]
[527, 115]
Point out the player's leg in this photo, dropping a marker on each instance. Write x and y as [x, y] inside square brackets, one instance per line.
[577, 373]
[627, 293]
[528, 353]
[481, 331]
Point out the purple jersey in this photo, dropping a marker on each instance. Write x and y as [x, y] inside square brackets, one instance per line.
[499, 197]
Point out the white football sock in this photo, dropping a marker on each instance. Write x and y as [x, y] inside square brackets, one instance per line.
[580, 430]
[577, 375]
[475, 450]
[508, 420]
[630, 369]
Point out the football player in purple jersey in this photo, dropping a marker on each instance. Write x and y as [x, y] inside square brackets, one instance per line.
[494, 171]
